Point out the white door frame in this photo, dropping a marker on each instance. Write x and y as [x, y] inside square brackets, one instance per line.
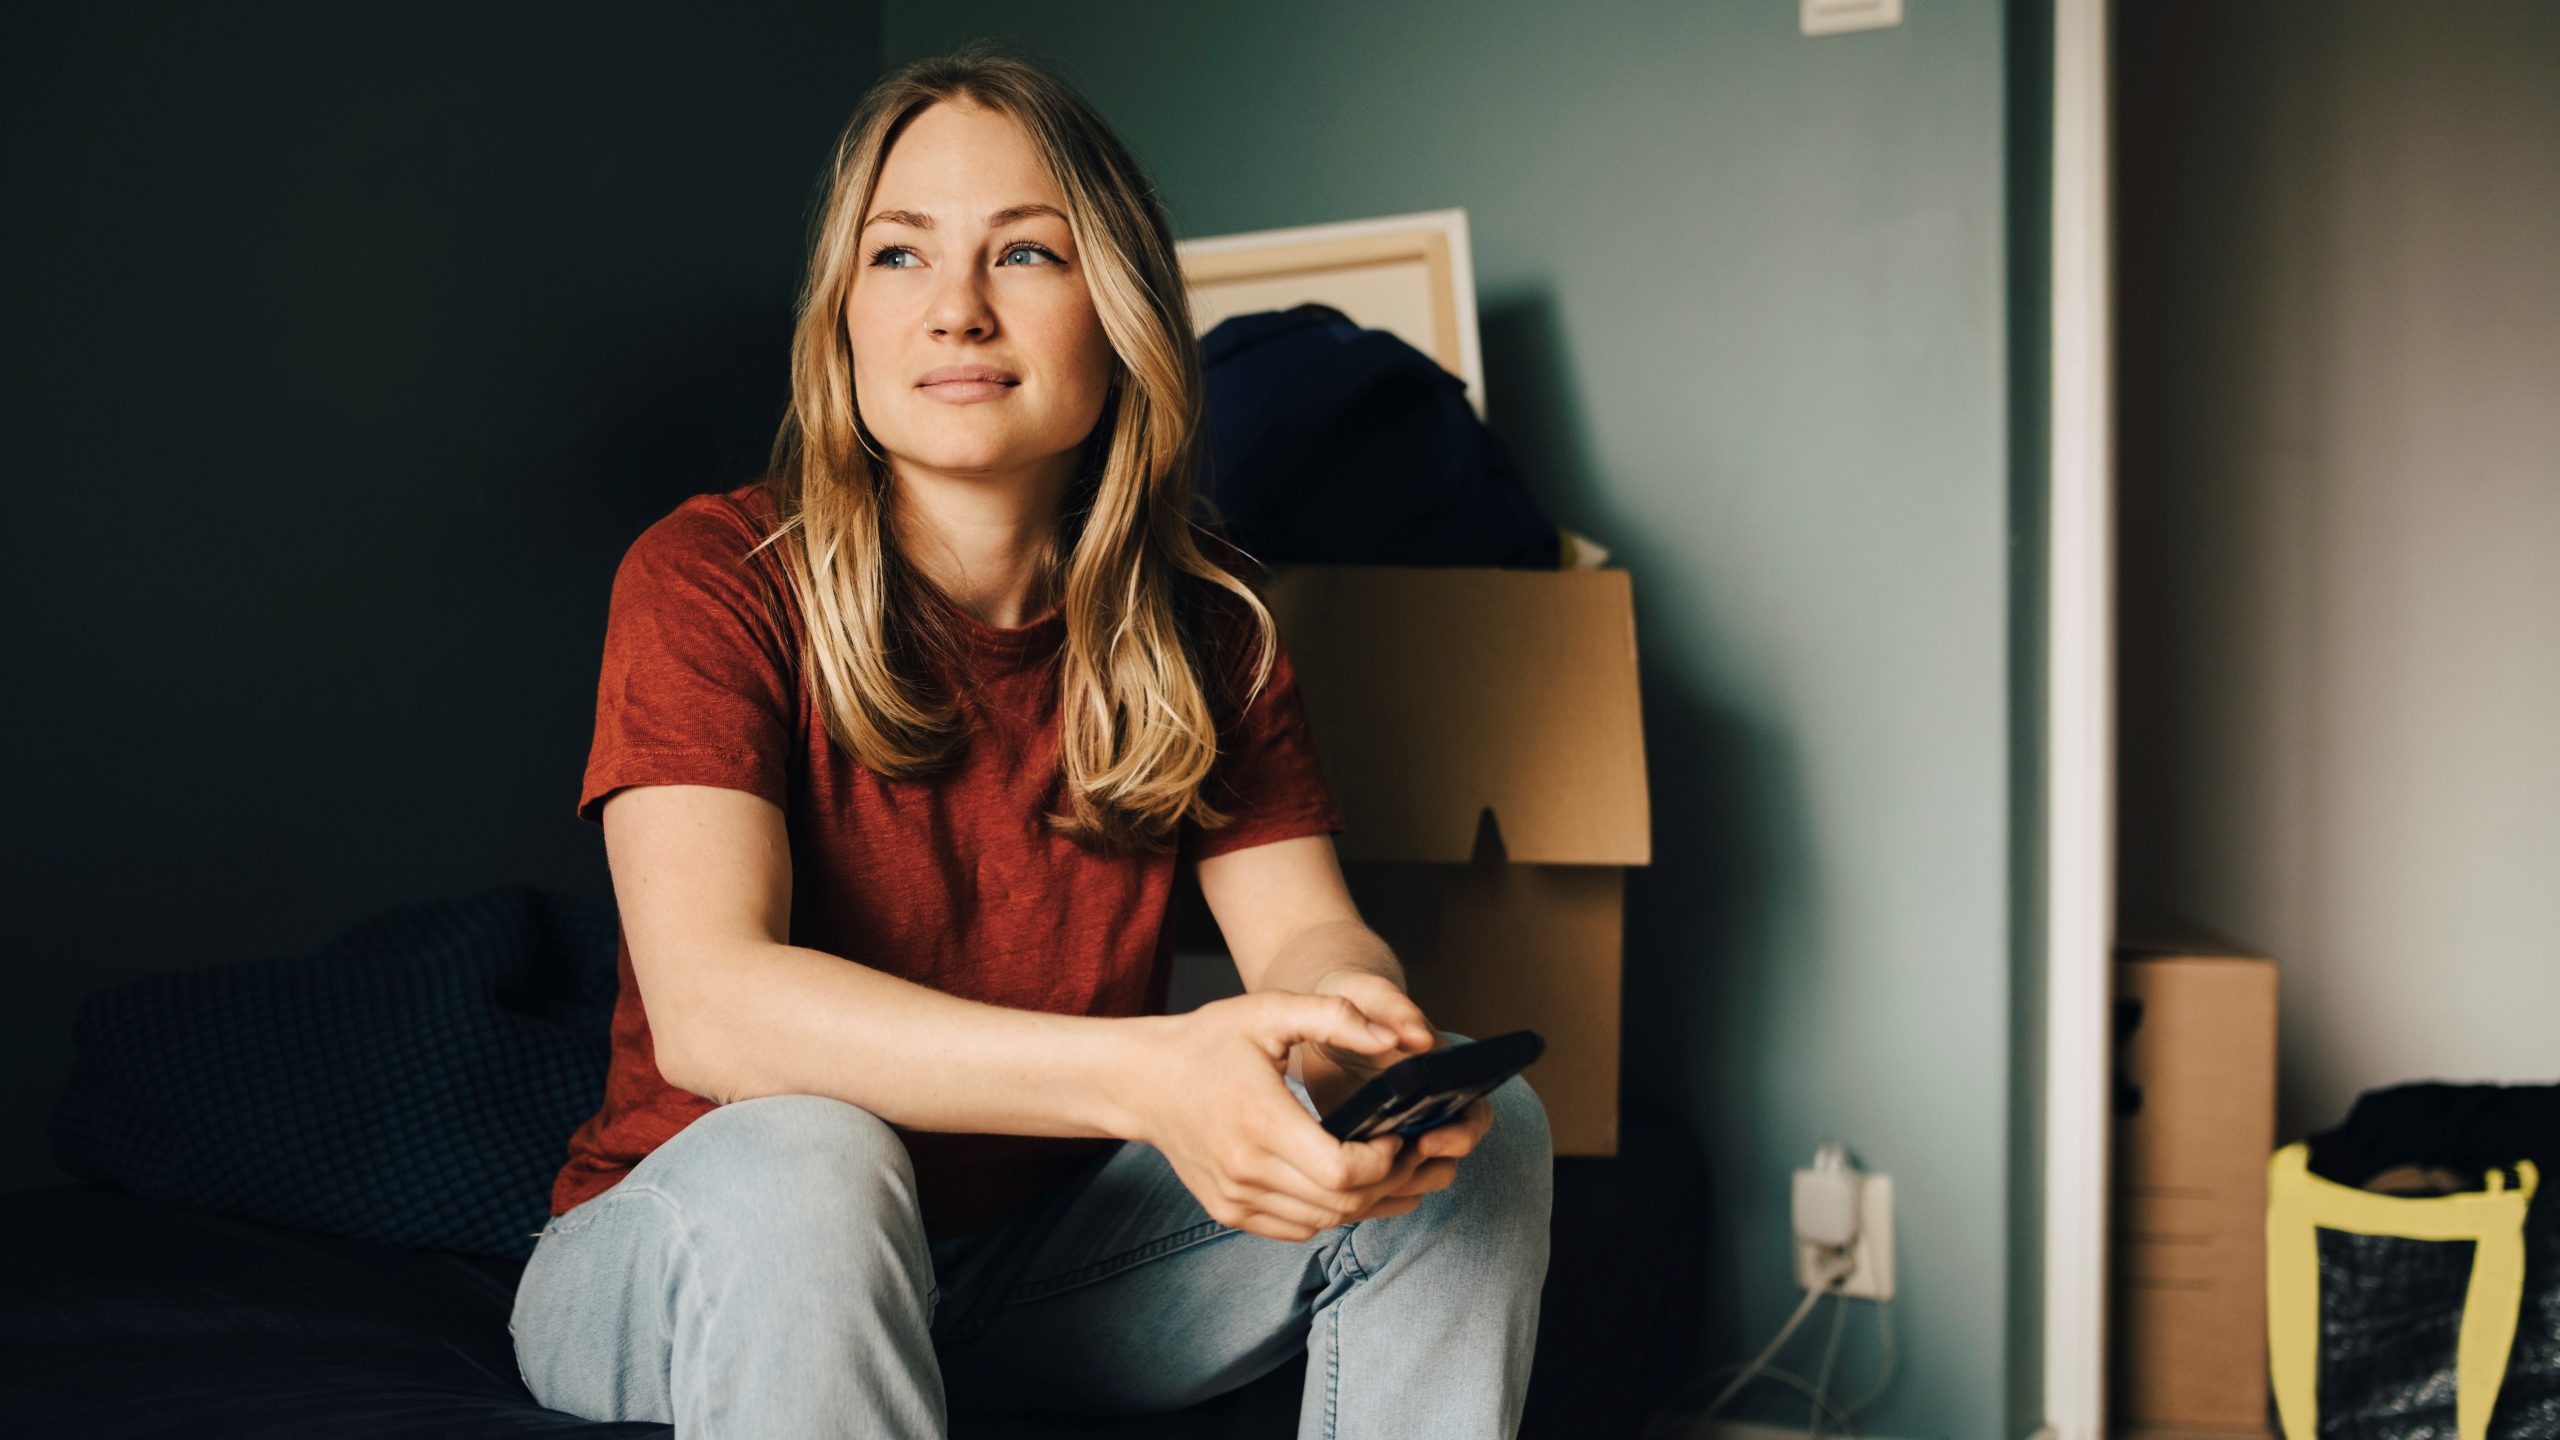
[2080, 731]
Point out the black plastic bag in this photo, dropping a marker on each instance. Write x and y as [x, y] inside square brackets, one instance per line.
[2413, 1268]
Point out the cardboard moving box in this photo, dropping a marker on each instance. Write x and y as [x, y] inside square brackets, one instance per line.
[1482, 732]
[2195, 1121]
[1480, 727]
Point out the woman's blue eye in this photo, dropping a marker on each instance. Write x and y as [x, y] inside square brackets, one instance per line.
[882, 256]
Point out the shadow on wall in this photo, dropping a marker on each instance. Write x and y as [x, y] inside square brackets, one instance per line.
[679, 413]
[1701, 960]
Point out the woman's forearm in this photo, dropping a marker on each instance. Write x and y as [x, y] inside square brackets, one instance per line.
[1319, 950]
[766, 1019]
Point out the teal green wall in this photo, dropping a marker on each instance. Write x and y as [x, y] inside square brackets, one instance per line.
[1744, 311]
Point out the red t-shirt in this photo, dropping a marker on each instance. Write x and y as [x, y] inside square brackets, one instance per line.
[950, 881]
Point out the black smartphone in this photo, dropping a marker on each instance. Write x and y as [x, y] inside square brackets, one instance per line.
[1422, 1091]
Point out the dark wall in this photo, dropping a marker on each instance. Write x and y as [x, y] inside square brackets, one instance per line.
[345, 348]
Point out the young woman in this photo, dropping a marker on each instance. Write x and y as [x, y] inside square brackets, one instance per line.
[898, 752]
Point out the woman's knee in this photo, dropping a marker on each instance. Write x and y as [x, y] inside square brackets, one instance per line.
[1519, 1146]
[790, 1218]
[1521, 1117]
[1494, 1211]
[1516, 1157]
[790, 1162]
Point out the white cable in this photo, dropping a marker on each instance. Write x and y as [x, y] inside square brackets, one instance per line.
[1822, 1376]
[1760, 1364]
[1884, 1377]
[1840, 1418]
[1812, 1298]
[1748, 1370]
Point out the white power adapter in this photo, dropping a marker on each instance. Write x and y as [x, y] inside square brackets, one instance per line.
[1826, 1200]
[1844, 1248]
[1844, 1227]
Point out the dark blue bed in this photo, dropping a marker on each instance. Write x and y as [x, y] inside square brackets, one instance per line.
[307, 1186]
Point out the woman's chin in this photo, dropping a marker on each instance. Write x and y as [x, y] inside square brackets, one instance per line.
[970, 464]
[976, 457]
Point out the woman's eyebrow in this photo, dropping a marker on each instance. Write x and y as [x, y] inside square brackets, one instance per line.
[922, 221]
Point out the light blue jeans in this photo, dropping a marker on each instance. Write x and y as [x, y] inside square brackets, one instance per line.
[764, 1273]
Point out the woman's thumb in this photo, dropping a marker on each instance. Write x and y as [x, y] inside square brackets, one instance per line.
[1332, 1020]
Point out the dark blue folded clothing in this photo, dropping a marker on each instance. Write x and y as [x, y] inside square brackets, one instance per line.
[413, 1083]
[1334, 444]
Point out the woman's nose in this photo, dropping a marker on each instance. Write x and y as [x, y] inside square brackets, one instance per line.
[960, 305]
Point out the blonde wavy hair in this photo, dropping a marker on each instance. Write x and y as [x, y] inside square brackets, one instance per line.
[1142, 687]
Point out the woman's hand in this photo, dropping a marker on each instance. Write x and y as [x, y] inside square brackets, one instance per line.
[1332, 1074]
[1210, 1095]
[1343, 1071]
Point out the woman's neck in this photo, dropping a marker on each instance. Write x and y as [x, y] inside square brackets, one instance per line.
[980, 540]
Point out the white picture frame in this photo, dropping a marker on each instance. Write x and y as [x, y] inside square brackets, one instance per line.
[1411, 275]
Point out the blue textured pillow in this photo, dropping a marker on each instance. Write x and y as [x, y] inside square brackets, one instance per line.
[413, 1083]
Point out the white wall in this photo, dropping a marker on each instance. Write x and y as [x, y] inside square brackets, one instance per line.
[2340, 258]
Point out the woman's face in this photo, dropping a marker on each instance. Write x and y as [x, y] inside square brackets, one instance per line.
[967, 264]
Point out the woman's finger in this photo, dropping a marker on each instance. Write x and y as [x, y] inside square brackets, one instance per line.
[1330, 1020]
[1320, 1164]
[1391, 1205]
[1414, 1175]
[1462, 1135]
[1424, 1178]
[1280, 1205]
[1274, 1229]
[1387, 1003]
[1369, 1167]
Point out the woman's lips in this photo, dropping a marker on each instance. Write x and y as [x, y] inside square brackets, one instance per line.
[959, 391]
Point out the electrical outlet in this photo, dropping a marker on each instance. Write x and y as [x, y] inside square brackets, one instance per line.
[1872, 1252]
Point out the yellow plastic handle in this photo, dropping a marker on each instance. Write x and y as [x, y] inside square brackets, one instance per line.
[2301, 1204]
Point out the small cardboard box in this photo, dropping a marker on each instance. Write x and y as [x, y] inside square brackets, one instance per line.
[1482, 733]
[2195, 1120]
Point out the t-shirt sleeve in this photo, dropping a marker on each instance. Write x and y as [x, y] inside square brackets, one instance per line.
[696, 685]
[1268, 778]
